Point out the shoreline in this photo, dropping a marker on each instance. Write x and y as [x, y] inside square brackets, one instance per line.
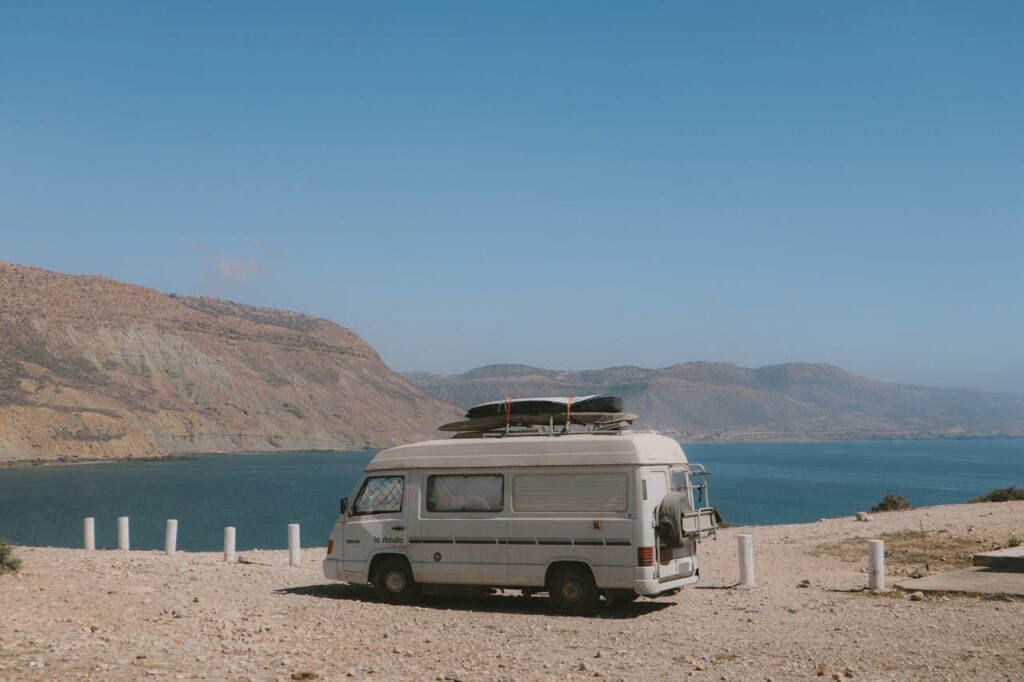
[32, 463]
[731, 528]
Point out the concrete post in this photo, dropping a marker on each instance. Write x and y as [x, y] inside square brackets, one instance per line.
[171, 536]
[876, 565]
[122, 533]
[294, 548]
[229, 544]
[89, 531]
[746, 550]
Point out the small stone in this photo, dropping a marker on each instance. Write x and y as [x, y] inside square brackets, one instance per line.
[917, 596]
[305, 675]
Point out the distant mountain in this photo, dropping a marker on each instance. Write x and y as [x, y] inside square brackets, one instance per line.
[714, 400]
[93, 368]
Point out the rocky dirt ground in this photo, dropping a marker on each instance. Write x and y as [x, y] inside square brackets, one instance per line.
[113, 616]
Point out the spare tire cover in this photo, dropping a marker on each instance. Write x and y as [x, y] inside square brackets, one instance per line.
[670, 521]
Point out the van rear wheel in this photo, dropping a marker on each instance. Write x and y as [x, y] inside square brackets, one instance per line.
[393, 581]
[572, 590]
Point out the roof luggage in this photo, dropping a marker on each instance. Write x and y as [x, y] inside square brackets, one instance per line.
[592, 410]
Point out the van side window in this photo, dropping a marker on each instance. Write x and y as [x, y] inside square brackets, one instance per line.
[466, 493]
[380, 495]
[570, 493]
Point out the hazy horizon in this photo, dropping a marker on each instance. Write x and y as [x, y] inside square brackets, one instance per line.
[576, 186]
[694, 360]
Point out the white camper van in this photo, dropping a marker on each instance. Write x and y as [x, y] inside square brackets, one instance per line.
[578, 515]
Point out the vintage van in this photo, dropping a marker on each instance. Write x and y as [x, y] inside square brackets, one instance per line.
[576, 515]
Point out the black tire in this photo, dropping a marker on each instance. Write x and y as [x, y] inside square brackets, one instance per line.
[617, 598]
[572, 590]
[393, 581]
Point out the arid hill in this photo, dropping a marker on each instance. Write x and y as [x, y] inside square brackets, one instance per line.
[708, 400]
[94, 368]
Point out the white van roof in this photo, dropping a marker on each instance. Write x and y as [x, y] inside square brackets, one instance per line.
[530, 451]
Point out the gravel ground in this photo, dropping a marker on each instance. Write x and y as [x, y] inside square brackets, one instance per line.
[106, 615]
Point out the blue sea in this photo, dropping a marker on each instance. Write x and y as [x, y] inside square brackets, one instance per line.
[260, 494]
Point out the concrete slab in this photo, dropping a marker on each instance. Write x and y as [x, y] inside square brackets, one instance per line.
[976, 579]
[1001, 558]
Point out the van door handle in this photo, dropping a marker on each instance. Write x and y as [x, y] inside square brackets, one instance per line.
[397, 527]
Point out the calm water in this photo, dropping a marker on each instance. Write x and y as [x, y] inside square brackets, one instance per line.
[261, 494]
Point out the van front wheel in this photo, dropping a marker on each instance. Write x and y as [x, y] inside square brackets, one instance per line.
[572, 590]
[393, 581]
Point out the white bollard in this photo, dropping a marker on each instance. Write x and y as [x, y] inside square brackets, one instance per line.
[122, 533]
[746, 549]
[89, 530]
[876, 565]
[294, 549]
[171, 536]
[229, 544]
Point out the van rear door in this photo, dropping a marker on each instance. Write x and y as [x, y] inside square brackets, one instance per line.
[671, 562]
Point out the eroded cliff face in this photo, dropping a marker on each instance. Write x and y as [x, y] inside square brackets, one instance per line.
[91, 368]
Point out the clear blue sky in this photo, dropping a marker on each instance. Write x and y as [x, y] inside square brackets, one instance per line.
[568, 185]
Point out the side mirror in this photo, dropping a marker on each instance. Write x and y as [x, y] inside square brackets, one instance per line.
[344, 505]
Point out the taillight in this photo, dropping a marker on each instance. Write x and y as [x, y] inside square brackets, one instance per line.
[330, 545]
[644, 556]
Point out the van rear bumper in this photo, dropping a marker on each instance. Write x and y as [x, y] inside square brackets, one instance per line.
[654, 586]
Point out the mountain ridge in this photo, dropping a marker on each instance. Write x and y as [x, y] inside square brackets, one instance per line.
[93, 368]
[703, 400]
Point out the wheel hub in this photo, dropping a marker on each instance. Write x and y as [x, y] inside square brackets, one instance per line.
[572, 590]
[395, 581]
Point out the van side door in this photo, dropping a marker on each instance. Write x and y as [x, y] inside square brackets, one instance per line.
[376, 520]
[463, 526]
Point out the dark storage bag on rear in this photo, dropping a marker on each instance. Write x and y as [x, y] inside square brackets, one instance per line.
[670, 518]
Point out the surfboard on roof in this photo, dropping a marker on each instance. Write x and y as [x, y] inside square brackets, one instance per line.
[546, 406]
[591, 410]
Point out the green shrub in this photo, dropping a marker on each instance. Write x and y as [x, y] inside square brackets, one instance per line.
[1014, 541]
[1010, 494]
[8, 562]
[892, 503]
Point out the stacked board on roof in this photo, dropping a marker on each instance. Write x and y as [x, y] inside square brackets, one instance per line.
[591, 410]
